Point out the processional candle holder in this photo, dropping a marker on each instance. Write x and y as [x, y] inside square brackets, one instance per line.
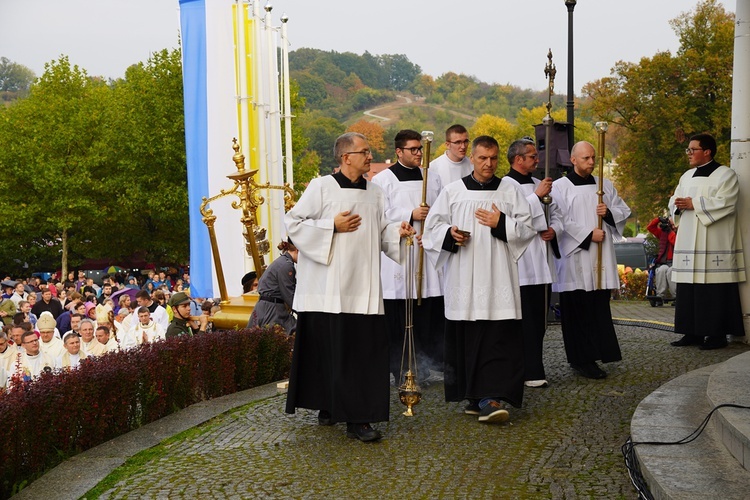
[409, 391]
[250, 198]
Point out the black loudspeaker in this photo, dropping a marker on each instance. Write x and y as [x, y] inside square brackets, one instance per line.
[560, 136]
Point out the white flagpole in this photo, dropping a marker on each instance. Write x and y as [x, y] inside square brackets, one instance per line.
[287, 102]
[275, 229]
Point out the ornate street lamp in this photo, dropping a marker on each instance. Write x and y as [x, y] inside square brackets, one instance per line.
[570, 4]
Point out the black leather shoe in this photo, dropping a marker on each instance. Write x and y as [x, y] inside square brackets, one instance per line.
[687, 340]
[324, 418]
[363, 432]
[589, 370]
[714, 343]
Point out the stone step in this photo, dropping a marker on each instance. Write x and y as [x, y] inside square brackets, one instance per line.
[729, 384]
[703, 468]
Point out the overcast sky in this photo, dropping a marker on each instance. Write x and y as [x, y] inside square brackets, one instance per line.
[498, 41]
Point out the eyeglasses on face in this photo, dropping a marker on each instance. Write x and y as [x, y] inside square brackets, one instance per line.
[690, 151]
[365, 152]
[533, 157]
[414, 150]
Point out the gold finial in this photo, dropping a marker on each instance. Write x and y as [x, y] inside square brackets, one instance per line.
[549, 72]
[238, 158]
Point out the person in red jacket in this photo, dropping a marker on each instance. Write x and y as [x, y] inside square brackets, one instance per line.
[663, 229]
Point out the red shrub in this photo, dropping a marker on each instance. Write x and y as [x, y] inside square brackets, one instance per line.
[59, 415]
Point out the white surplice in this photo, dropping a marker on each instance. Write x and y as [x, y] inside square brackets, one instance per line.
[329, 278]
[536, 266]
[401, 198]
[708, 248]
[481, 281]
[576, 269]
[446, 170]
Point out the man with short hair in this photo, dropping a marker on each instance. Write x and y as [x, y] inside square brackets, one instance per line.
[536, 268]
[145, 328]
[103, 337]
[75, 323]
[19, 294]
[33, 361]
[89, 344]
[340, 361]
[72, 355]
[588, 332]
[50, 345]
[402, 184]
[81, 282]
[106, 293]
[48, 303]
[453, 164]
[180, 303]
[708, 261]
[478, 228]
[158, 313]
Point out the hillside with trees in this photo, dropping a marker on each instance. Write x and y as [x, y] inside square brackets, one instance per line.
[339, 87]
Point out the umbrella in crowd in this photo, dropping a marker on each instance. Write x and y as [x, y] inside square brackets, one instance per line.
[130, 291]
[113, 270]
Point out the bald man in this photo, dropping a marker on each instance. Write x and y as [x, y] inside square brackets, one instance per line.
[588, 332]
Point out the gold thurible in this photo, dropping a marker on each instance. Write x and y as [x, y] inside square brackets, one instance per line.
[408, 391]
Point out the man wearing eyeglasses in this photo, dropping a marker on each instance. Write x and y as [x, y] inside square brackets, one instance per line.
[588, 332]
[402, 183]
[33, 361]
[536, 267]
[340, 359]
[453, 164]
[708, 258]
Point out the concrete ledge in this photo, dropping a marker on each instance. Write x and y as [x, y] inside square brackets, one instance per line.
[700, 469]
[729, 384]
[77, 475]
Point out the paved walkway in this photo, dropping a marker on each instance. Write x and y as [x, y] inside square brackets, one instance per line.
[564, 443]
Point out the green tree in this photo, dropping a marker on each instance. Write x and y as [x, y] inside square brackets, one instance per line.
[15, 79]
[501, 129]
[53, 156]
[146, 177]
[662, 100]
[321, 132]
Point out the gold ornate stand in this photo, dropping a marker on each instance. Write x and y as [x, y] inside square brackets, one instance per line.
[236, 311]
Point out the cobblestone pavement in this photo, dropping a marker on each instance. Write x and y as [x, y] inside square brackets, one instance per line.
[564, 442]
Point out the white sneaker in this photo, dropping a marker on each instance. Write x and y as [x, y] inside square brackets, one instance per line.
[536, 383]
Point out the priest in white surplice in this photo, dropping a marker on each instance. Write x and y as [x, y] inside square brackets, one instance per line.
[536, 267]
[402, 184]
[483, 334]
[588, 332]
[708, 260]
[452, 165]
[340, 360]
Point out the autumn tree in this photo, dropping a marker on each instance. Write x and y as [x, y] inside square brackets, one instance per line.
[664, 99]
[375, 135]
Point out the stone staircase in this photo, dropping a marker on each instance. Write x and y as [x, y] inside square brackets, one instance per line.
[717, 463]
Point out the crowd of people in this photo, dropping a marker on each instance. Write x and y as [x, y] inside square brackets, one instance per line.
[496, 246]
[55, 325]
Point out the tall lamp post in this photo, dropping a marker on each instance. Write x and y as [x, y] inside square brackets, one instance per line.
[570, 4]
